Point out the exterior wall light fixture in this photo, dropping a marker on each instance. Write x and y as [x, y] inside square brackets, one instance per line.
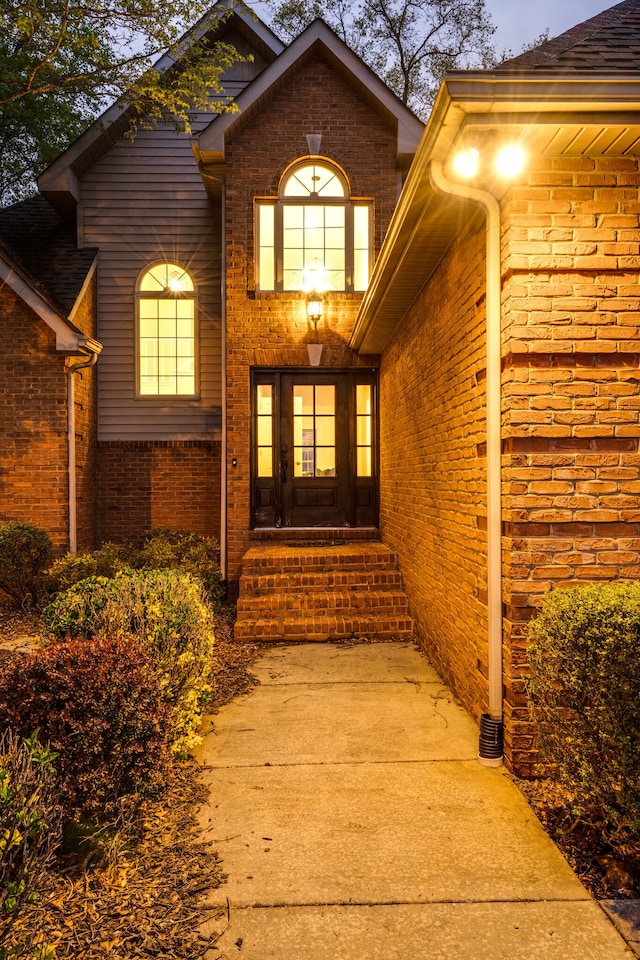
[509, 161]
[314, 308]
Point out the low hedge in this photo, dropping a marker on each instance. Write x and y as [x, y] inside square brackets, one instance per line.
[25, 553]
[584, 691]
[167, 613]
[101, 706]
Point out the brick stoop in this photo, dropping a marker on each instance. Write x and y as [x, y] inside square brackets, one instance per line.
[301, 592]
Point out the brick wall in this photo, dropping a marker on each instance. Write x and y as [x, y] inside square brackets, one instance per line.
[33, 422]
[571, 394]
[271, 329]
[146, 484]
[433, 462]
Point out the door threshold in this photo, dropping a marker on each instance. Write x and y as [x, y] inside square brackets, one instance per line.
[315, 534]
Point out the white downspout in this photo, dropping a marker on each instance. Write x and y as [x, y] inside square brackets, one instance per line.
[491, 727]
[223, 323]
[71, 447]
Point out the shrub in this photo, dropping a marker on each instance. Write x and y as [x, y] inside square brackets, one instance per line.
[101, 706]
[29, 827]
[159, 549]
[25, 552]
[167, 613]
[584, 691]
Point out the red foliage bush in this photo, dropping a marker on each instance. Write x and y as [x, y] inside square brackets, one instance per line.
[101, 706]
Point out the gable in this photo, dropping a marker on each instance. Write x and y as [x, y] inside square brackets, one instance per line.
[60, 181]
[316, 41]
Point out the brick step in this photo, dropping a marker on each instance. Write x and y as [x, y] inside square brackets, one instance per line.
[273, 559]
[322, 580]
[322, 628]
[330, 602]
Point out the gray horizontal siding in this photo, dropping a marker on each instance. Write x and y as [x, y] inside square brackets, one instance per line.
[144, 201]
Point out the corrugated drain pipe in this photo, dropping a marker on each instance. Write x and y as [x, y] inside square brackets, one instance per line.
[223, 322]
[491, 725]
[71, 440]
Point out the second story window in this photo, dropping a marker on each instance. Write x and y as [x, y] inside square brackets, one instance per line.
[314, 235]
[166, 332]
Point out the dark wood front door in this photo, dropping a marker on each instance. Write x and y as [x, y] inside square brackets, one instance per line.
[314, 449]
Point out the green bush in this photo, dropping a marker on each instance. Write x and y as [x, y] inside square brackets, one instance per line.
[25, 552]
[168, 615]
[29, 829]
[159, 549]
[101, 706]
[584, 691]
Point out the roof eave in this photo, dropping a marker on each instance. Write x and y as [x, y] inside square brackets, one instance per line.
[465, 100]
[70, 339]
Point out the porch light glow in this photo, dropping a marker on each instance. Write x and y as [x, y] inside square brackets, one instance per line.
[510, 161]
[467, 162]
[314, 308]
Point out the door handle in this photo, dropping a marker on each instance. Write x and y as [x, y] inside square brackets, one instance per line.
[284, 466]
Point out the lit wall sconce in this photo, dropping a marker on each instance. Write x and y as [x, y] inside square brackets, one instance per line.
[314, 308]
[509, 161]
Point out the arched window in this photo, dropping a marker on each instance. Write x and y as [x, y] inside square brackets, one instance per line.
[166, 332]
[314, 235]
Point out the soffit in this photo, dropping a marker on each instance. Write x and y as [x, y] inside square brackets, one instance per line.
[587, 119]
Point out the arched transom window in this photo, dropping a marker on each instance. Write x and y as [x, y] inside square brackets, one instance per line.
[166, 332]
[314, 235]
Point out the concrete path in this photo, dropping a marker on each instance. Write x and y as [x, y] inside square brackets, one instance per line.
[355, 823]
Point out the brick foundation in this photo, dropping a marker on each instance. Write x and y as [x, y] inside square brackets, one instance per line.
[146, 484]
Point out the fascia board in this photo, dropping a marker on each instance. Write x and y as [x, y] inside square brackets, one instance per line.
[543, 92]
[69, 338]
[212, 139]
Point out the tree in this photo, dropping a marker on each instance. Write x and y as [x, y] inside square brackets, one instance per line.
[62, 61]
[410, 44]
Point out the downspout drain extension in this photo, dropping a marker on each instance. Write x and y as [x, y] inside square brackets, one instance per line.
[491, 736]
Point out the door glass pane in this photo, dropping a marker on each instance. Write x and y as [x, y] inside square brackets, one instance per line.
[264, 429]
[325, 462]
[265, 462]
[364, 422]
[326, 399]
[364, 461]
[314, 430]
[265, 398]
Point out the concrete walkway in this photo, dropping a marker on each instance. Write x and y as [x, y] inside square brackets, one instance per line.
[355, 823]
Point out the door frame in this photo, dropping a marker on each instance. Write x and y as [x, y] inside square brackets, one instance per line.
[268, 508]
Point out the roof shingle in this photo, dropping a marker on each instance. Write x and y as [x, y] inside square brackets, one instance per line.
[44, 246]
[607, 43]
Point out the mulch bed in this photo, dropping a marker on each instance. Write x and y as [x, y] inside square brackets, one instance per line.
[609, 873]
[139, 891]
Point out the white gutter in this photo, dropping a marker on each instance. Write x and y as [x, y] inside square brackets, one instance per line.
[94, 349]
[491, 207]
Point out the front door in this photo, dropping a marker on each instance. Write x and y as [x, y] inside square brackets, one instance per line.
[314, 449]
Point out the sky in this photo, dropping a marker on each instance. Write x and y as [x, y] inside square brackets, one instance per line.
[519, 22]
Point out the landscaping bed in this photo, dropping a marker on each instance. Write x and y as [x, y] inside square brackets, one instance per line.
[134, 889]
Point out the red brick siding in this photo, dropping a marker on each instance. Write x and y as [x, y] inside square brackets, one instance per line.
[150, 484]
[433, 485]
[571, 397]
[33, 422]
[271, 329]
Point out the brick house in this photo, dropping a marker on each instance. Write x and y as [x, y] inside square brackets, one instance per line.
[310, 329]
